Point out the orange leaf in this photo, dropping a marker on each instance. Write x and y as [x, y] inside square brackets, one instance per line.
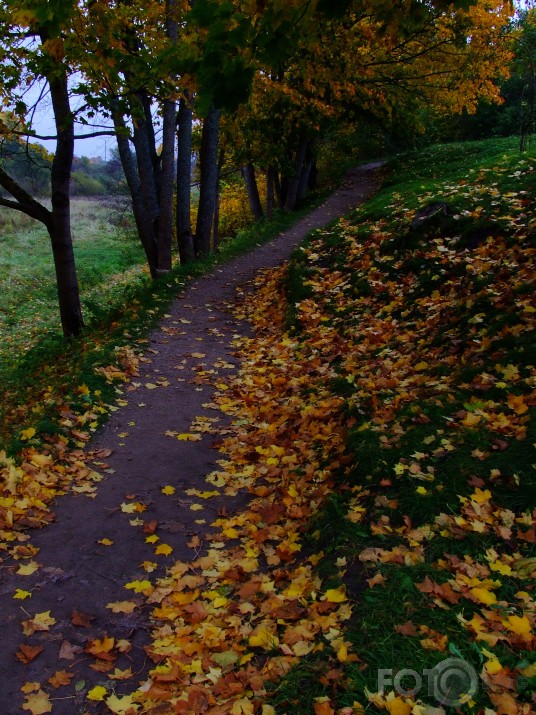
[27, 653]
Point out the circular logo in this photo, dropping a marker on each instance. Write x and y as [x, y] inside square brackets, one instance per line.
[452, 681]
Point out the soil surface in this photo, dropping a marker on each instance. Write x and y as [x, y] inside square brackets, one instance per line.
[78, 575]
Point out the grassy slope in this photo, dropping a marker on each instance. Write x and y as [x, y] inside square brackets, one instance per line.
[431, 330]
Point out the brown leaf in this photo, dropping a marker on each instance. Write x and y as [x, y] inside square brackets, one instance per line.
[149, 527]
[407, 629]
[61, 677]
[68, 651]
[27, 653]
[78, 618]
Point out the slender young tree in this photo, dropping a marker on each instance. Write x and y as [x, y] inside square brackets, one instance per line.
[36, 39]
[184, 180]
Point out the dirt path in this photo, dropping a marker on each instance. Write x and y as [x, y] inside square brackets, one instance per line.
[79, 575]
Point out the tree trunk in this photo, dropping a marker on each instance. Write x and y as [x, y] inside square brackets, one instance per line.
[208, 165]
[147, 194]
[283, 190]
[304, 179]
[216, 225]
[144, 224]
[165, 173]
[313, 177]
[59, 227]
[248, 172]
[294, 183]
[165, 217]
[184, 179]
[270, 192]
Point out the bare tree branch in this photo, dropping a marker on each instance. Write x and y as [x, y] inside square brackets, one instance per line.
[25, 202]
[43, 137]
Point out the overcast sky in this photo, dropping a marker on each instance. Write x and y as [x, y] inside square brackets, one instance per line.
[43, 124]
[99, 146]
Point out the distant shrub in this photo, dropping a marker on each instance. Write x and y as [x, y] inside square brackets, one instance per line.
[234, 207]
[84, 185]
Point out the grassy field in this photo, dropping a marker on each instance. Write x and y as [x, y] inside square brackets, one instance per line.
[107, 256]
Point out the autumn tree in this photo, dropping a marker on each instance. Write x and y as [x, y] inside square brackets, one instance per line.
[372, 63]
[33, 45]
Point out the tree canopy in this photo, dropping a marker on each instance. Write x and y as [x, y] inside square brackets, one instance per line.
[267, 79]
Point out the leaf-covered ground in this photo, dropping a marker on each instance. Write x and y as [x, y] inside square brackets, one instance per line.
[380, 423]
[381, 426]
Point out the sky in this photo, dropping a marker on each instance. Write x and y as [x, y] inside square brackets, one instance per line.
[94, 147]
[43, 124]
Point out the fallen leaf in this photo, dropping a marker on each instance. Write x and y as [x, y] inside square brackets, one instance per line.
[336, 595]
[40, 622]
[38, 703]
[122, 606]
[68, 651]
[81, 619]
[27, 653]
[97, 693]
[60, 678]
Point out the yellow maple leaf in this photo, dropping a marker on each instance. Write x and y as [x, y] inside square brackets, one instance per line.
[493, 665]
[105, 542]
[168, 489]
[263, 638]
[480, 495]
[27, 569]
[122, 606]
[97, 693]
[510, 372]
[196, 507]
[517, 404]
[40, 622]
[501, 567]
[471, 419]
[139, 586]
[27, 433]
[336, 595]
[188, 437]
[164, 549]
[120, 674]
[342, 653]
[482, 595]
[38, 703]
[122, 705]
[19, 593]
[397, 706]
[518, 624]
[152, 539]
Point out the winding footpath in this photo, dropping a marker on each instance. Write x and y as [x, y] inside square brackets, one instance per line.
[98, 542]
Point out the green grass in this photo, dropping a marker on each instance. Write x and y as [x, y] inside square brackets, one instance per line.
[107, 258]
